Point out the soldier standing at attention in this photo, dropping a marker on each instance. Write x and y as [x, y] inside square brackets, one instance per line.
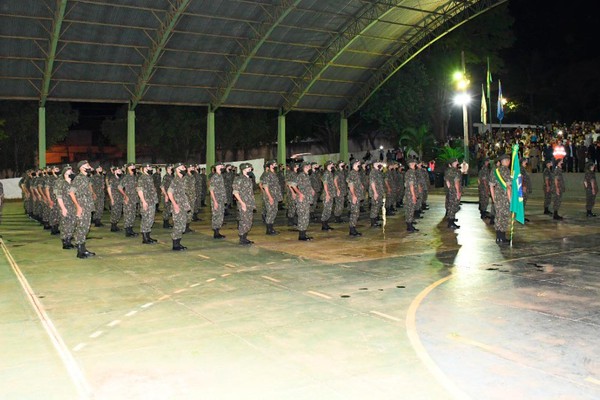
[376, 192]
[390, 189]
[190, 191]
[271, 195]
[66, 205]
[501, 194]
[148, 200]
[115, 196]
[127, 187]
[243, 190]
[411, 193]
[591, 188]
[315, 181]
[423, 176]
[304, 197]
[290, 179]
[204, 184]
[558, 188]
[364, 178]
[401, 185]
[328, 195]
[156, 180]
[81, 194]
[452, 182]
[198, 187]
[51, 195]
[97, 181]
[218, 198]
[483, 188]
[228, 177]
[341, 190]
[164, 186]
[181, 205]
[548, 186]
[355, 194]
[527, 185]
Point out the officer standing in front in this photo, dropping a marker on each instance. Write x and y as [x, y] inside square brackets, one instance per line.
[148, 200]
[81, 194]
[181, 205]
[483, 188]
[243, 190]
[501, 194]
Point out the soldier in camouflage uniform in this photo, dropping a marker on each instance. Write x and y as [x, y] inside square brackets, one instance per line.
[198, 188]
[190, 191]
[483, 188]
[271, 195]
[328, 195]
[548, 186]
[81, 194]
[591, 188]
[558, 188]
[364, 179]
[204, 184]
[376, 192]
[452, 182]
[218, 199]
[355, 194]
[148, 199]
[42, 186]
[290, 178]
[304, 197]
[389, 181]
[113, 181]
[180, 203]
[411, 193]
[526, 182]
[98, 184]
[164, 186]
[501, 193]
[401, 185]
[66, 206]
[341, 191]
[228, 177]
[317, 185]
[127, 187]
[156, 181]
[491, 181]
[243, 190]
[51, 195]
[423, 176]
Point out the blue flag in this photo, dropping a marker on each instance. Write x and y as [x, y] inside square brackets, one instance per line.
[516, 201]
[500, 105]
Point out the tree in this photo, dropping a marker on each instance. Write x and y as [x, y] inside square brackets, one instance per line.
[420, 140]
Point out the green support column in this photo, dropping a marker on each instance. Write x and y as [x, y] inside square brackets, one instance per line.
[42, 137]
[131, 136]
[281, 150]
[210, 138]
[343, 138]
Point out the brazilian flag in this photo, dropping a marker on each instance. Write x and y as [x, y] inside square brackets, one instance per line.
[516, 202]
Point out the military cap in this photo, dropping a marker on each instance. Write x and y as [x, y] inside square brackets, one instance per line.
[179, 164]
[304, 164]
[81, 163]
[504, 157]
[245, 165]
[271, 162]
[65, 169]
[218, 163]
[412, 160]
[341, 162]
[356, 160]
[451, 161]
[589, 164]
[328, 162]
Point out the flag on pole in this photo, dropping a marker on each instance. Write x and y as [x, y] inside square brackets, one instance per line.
[483, 107]
[516, 202]
[500, 113]
[488, 78]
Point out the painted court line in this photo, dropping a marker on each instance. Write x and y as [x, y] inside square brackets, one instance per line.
[96, 334]
[166, 296]
[386, 316]
[114, 323]
[131, 313]
[79, 346]
[195, 284]
[203, 256]
[147, 305]
[324, 296]
[592, 380]
[75, 372]
[225, 275]
[180, 290]
[271, 279]
[211, 280]
[230, 266]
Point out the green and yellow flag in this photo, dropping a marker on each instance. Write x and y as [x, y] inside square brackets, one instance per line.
[516, 201]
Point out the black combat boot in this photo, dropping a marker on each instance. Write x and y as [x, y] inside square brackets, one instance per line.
[302, 236]
[410, 228]
[375, 223]
[325, 226]
[271, 231]
[589, 213]
[146, 238]
[98, 223]
[217, 234]
[187, 229]
[47, 226]
[244, 240]
[166, 224]
[177, 245]
[547, 211]
[291, 221]
[67, 245]
[492, 220]
[129, 232]
[338, 220]
[195, 217]
[425, 207]
[114, 227]
[354, 232]
[82, 252]
[55, 230]
[452, 224]
[556, 216]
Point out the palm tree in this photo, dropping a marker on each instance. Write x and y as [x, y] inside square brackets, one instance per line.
[419, 140]
[448, 153]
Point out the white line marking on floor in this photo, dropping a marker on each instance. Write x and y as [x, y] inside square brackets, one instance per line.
[195, 284]
[344, 266]
[271, 263]
[271, 279]
[147, 305]
[203, 256]
[79, 346]
[75, 372]
[96, 334]
[180, 290]
[287, 259]
[592, 380]
[386, 316]
[225, 275]
[130, 313]
[211, 280]
[319, 294]
[114, 323]
[230, 266]
[166, 296]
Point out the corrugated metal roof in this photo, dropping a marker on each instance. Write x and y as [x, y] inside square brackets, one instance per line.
[311, 55]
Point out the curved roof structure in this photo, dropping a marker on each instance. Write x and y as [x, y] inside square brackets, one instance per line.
[309, 55]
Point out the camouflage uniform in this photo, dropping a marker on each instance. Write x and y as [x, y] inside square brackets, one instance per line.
[502, 202]
[54, 209]
[128, 185]
[43, 184]
[410, 206]
[549, 188]
[204, 186]
[116, 209]
[198, 189]
[401, 186]
[316, 184]
[327, 179]
[423, 178]
[353, 181]
[339, 177]
[67, 222]
[156, 181]
[483, 189]
[228, 178]
[83, 193]
[190, 191]
[244, 188]
[177, 190]
[217, 186]
[145, 184]
[390, 188]
[269, 180]
[558, 188]
[526, 179]
[303, 206]
[375, 180]
[591, 189]
[290, 179]
[451, 176]
[168, 209]
[97, 181]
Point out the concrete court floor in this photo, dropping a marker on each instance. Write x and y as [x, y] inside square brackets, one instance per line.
[433, 315]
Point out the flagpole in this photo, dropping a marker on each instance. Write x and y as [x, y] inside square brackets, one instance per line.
[512, 174]
[489, 81]
[512, 228]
